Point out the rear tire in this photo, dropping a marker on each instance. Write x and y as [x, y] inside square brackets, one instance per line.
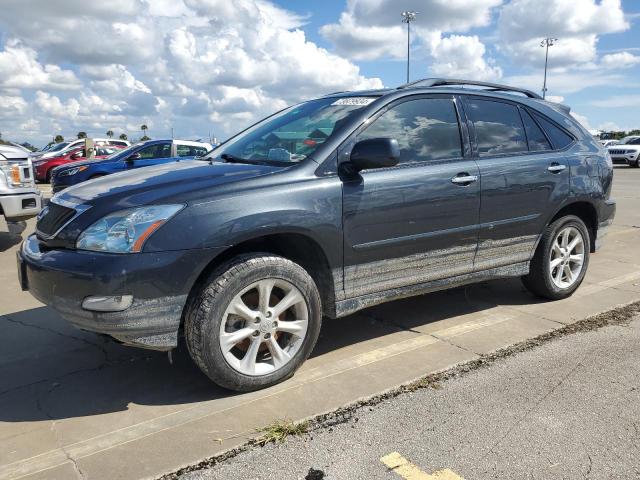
[561, 260]
[238, 330]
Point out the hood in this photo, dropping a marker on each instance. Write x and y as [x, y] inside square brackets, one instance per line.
[148, 184]
[78, 164]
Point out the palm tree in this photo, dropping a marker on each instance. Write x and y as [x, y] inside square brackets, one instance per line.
[58, 138]
[144, 129]
[110, 133]
[82, 135]
[123, 136]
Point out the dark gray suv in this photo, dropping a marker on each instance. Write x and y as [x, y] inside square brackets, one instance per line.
[325, 208]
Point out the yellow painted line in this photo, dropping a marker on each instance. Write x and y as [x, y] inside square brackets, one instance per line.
[407, 470]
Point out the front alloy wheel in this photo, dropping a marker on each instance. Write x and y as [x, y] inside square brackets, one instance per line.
[253, 322]
[263, 327]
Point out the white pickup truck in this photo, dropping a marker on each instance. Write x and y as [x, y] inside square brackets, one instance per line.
[20, 199]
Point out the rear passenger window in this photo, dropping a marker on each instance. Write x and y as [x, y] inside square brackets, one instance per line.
[498, 127]
[426, 129]
[184, 150]
[535, 136]
[559, 137]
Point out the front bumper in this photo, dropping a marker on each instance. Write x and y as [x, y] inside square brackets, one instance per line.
[21, 206]
[158, 282]
[629, 158]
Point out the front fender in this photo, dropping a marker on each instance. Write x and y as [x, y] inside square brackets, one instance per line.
[312, 208]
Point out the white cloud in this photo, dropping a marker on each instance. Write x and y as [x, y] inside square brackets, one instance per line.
[463, 57]
[555, 98]
[564, 83]
[618, 101]
[582, 120]
[522, 24]
[20, 69]
[368, 42]
[620, 60]
[12, 106]
[52, 105]
[611, 127]
[370, 29]
[196, 65]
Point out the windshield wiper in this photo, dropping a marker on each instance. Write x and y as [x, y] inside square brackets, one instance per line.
[227, 157]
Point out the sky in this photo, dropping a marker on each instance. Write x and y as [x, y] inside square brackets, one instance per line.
[209, 68]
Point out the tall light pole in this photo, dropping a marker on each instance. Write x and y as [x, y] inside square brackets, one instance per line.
[547, 42]
[408, 17]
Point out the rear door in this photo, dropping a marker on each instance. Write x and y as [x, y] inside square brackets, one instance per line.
[522, 179]
[415, 222]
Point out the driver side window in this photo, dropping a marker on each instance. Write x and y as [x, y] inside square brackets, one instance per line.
[426, 129]
[161, 150]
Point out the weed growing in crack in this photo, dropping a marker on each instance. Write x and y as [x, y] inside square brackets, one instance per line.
[278, 431]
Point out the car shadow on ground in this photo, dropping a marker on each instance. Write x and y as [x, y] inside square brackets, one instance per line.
[49, 370]
[8, 240]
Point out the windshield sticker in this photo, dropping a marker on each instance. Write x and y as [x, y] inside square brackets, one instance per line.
[354, 101]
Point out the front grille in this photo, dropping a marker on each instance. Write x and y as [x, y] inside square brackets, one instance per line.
[53, 217]
[617, 152]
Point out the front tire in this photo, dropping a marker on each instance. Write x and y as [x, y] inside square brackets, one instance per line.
[561, 260]
[254, 322]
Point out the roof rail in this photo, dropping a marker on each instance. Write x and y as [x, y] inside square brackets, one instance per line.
[494, 87]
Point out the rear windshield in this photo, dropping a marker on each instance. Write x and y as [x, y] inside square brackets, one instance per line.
[293, 134]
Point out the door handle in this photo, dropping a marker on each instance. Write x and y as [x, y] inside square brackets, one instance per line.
[464, 179]
[556, 167]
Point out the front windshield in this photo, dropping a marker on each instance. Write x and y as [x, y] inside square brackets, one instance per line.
[59, 147]
[123, 152]
[293, 134]
[630, 141]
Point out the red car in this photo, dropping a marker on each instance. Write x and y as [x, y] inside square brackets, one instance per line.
[42, 168]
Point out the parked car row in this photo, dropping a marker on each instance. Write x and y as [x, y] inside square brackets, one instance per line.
[64, 147]
[44, 166]
[144, 154]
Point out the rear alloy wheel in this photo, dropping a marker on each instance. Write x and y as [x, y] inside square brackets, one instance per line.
[567, 257]
[254, 322]
[561, 259]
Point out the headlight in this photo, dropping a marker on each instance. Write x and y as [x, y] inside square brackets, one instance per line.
[72, 171]
[127, 230]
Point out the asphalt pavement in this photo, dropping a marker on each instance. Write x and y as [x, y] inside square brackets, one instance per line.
[568, 409]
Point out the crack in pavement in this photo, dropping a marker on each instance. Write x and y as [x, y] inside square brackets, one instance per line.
[60, 334]
[534, 407]
[58, 440]
[107, 361]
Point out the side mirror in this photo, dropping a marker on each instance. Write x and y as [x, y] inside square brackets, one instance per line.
[133, 156]
[75, 156]
[375, 153]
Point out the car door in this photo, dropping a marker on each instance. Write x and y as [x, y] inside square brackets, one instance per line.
[522, 178]
[418, 221]
[152, 155]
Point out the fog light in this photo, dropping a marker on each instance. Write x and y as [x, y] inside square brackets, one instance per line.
[107, 304]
